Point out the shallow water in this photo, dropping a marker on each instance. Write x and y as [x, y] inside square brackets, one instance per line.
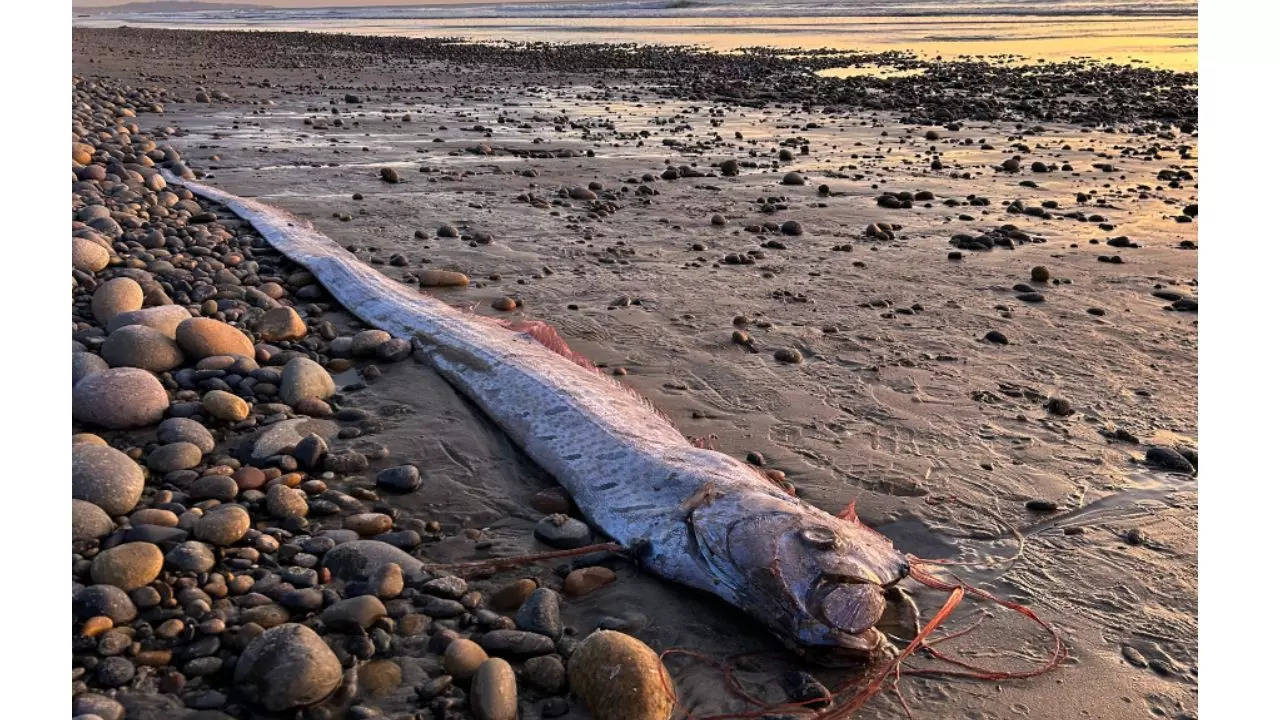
[1166, 41]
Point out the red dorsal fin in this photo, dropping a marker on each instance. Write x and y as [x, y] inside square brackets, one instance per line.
[848, 513]
[547, 336]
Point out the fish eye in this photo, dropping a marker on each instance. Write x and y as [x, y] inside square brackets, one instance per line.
[823, 538]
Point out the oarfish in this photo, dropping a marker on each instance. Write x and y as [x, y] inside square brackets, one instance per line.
[688, 514]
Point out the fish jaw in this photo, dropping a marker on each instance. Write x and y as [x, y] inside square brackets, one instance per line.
[815, 581]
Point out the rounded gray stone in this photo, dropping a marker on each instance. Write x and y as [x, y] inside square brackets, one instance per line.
[165, 318]
[141, 347]
[176, 429]
[88, 521]
[106, 477]
[287, 667]
[84, 364]
[119, 398]
[174, 456]
[358, 559]
[305, 378]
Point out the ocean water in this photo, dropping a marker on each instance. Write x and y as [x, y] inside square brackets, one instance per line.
[1161, 33]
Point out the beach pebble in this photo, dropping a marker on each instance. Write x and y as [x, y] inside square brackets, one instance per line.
[512, 595]
[354, 614]
[516, 643]
[119, 398]
[88, 521]
[305, 378]
[493, 691]
[540, 613]
[174, 456]
[788, 355]
[105, 477]
[190, 556]
[115, 296]
[175, 430]
[387, 582]
[281, 323]
[367, 342]
[88, 256]
[793, 178]
[367, 524]
[545, 673]
[88, 705]
[141, 347]
[442, 278]
[562, 531]
[1167, 458]
[223, 405]
[223, 525]
[165, 318]
[103, 600]
[620, 678]
[286, 667]
[401, 478]
[127, 566]
[84, 364]
[286, 502]
[463, 658]
[585, 580]
[201, 337]
[278, 437]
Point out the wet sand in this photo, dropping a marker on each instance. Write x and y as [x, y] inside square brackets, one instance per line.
[941, 436]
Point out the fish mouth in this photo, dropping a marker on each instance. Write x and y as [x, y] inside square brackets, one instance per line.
[849, 608]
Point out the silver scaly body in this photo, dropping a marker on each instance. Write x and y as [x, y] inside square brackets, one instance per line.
[691, 515]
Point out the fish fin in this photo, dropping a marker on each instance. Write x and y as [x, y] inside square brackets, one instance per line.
[849, 513]
[549, 338]
[544, 334]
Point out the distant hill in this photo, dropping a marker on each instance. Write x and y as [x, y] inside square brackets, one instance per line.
[164, 6]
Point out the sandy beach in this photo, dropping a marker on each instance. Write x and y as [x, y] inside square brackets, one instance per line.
[958, 294]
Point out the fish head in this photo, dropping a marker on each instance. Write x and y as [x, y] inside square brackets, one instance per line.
[817, 581]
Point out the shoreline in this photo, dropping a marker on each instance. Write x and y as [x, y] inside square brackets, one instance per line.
[903, 400]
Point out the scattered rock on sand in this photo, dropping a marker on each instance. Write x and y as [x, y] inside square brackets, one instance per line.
[202, 337]
[115, 296]
[127, 566]
[305, 378]
[463, 658]
[119, 398]
[223, 525]
[88, 521]
[177, 429]
[141, 347]
[105, 477]
[442, 278]
[1167, 458]
[281, 323]
[84, 364]
[358, 559]
[88, 256]
[585, 580]
[620, 678]
[286, 667]
[174, 456]
[562, 531]
[165, 318]
[225, 406]
[493, 691]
